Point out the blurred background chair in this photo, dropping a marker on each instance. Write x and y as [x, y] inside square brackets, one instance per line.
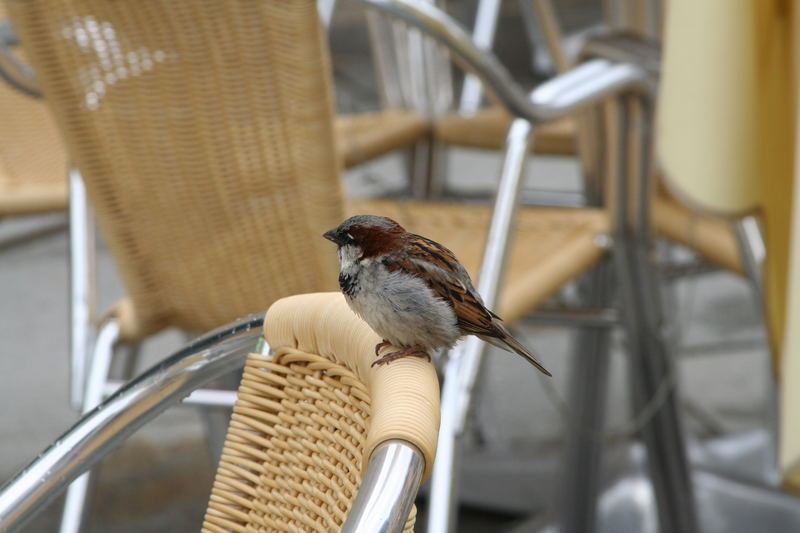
[475, 126]
[746, 171]
[422, 211]
[33, 162]
[319, 438]
[196, 149]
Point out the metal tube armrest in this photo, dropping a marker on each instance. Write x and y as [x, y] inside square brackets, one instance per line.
[589, 83]
[390, 485]
[104, 428]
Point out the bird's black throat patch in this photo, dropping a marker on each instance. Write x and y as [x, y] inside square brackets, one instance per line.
[347, 283]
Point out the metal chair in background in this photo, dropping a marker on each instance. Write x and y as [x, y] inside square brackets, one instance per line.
[398, 126]
[319, 438]
[662, 433]
[473, 125]
[222, 173]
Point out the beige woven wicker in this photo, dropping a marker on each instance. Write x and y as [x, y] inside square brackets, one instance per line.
[488, 129]
[33, 162]
[205, 132]
[309, 416]
[711, 237]
[365, 136]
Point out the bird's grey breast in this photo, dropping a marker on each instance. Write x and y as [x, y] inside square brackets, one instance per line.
[399, 306]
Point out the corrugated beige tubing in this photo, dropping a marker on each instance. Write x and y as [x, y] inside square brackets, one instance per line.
[405, 393]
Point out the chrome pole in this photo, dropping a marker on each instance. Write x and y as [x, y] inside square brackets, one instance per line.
[483, 36]
[552, 33]
[104, 428]
[326, 9]
[465, 360]
[75, 502]
[588, 386]
[385, 61]
[589, 317]
[82, 285]
[750, 236]
[591, 82]
[652, 370]
[388, 490]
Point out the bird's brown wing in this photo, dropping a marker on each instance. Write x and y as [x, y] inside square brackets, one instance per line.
[438, 266]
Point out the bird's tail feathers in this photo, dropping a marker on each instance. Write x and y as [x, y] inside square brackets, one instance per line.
[510, 344]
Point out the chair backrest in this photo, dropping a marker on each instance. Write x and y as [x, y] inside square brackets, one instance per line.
[33, 162]
[309, 416]
[203, 130]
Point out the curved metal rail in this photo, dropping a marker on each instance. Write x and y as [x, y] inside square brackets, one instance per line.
[589, 83]
[105, 427]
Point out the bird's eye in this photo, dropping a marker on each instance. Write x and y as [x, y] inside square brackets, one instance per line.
[349, 237]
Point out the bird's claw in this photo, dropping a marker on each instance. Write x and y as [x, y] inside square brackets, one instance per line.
[383, 344]
[414, 351]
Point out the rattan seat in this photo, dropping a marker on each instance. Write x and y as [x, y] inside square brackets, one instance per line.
[550, 246]
[488, 128]
[362, 137]
[711, 237]
[33, 161]
[309, 416]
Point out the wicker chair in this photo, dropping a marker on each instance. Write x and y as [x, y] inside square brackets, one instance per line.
[362, 137]
[204, 132]
[309, 416]
[33, 161]
[319, 440]
[189, 163]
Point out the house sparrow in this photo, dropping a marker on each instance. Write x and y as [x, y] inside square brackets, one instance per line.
[412, 291]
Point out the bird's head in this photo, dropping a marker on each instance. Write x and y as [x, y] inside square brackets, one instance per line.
[366, 236]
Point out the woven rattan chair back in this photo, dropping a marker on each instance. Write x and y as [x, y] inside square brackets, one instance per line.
[308, 418]
[33, 162]
[293, 457]
[203, 130]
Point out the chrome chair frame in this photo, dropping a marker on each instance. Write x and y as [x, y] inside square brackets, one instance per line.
[578, 89]
[587, 85]
[391, 480]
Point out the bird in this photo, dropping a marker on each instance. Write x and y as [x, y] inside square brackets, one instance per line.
[412, 291]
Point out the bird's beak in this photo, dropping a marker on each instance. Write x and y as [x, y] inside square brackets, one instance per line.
[331, 236]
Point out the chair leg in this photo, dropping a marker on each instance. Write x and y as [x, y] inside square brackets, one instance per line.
[81, 285]
[464, 363]
[99, 365]
[417, 168]
[750, 238]
[438, 164]
[130, 361]
[588, 393]
[653, 376]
